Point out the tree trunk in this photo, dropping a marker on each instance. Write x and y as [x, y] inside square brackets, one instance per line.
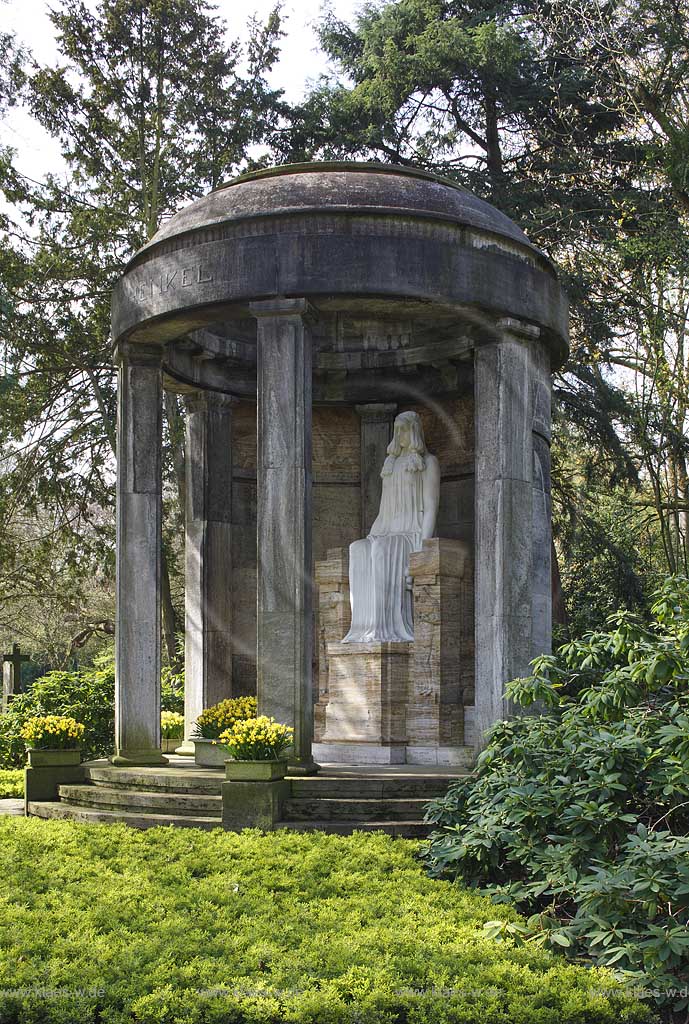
[175, 422]
[170, 624]
[493, 153]
[559, 607]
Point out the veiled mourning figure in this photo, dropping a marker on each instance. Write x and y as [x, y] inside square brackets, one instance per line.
[379, 582]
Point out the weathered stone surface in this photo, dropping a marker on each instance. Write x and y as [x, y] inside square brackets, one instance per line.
[208, 555]
[442, 582]
[368, 686]
[336, 513]
[512, 515]
[284, 606]
[323, 231]
[139, 509]
[44, 783]
[541, 568]
[376, 432]
[336, 445]
[448, 426]
[253, 804]
[243, 583]
[359, 753]
[334, 618]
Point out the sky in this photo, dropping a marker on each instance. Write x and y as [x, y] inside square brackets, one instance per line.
[300, 61]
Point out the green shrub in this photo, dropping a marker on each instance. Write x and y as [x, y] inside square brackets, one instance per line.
[165, 925]
[579, 816]
[172, 690]
[87, 695]
[11, 783]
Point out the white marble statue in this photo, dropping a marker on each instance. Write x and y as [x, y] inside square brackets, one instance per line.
[379, 582]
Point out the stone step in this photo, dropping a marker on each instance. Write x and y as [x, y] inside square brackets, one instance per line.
[191, 780]
[353, 787]
[136, 801]
[400, 829]
[87, 815]
[327, 809]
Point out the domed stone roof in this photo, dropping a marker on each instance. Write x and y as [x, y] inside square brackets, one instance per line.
[356, 188]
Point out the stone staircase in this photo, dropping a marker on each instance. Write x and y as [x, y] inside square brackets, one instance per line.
[340, 799]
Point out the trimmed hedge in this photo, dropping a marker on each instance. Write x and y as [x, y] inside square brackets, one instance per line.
[11, 783]
[114, 925]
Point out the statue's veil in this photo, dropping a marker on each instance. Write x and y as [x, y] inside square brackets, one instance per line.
[417, 445]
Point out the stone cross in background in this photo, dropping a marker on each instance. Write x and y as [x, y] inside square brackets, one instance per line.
[12, 674]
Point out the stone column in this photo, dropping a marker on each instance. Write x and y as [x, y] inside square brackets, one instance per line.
[510, 602]
[542, 573]
[137, 646]
[284, 587]
[208, 556]
[376, 433]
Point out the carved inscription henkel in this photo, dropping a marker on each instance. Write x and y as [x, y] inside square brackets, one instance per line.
[182, 277]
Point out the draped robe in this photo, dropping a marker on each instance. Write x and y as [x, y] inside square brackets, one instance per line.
[378, 565]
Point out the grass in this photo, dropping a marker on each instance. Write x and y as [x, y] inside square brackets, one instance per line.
[11, 782]
[108, 924]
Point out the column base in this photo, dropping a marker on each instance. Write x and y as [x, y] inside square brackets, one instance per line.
[186, 749]
[138, 758]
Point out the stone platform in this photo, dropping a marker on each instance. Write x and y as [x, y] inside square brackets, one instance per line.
[339, 799]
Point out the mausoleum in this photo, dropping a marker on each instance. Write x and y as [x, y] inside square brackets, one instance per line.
[299, 310]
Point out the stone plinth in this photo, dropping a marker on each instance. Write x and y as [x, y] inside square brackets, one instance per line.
[365, 718]
[443, 647]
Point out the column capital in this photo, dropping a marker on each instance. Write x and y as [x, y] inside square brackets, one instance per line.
[376, 412]
[200, 401]
[281, 307]
[510, 326]
[138, 353]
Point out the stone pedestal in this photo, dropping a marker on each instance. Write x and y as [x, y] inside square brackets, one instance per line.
[365, 718]
[139, 510]
[44, 783]
[253, 804]
[284, 600]
[442, 648]
[208, 556]
[334, 619]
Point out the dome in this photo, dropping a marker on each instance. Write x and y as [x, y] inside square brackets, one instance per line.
[343, 188]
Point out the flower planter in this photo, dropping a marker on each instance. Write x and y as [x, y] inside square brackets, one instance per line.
[169, 745]
[208, 753]
[58, 758]
[255, 771]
